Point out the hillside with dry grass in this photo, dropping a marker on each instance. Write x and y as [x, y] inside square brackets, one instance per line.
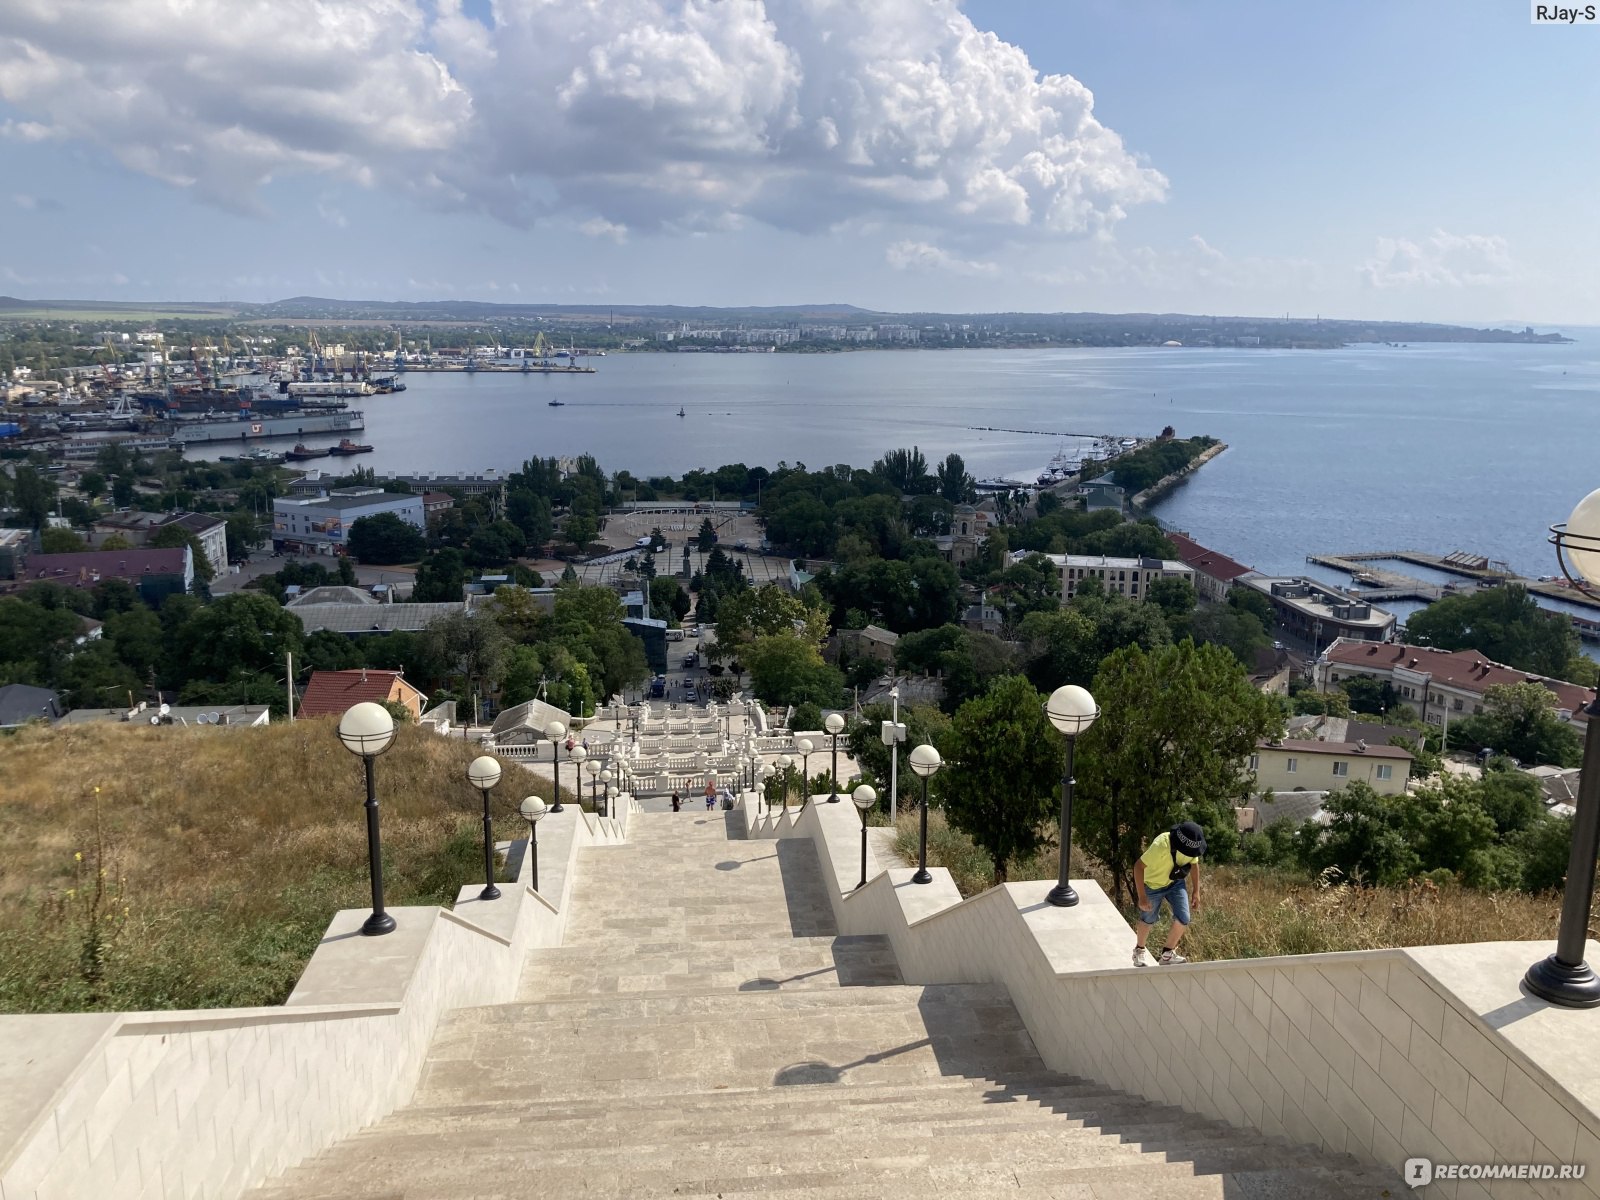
[1250, 912]
[210, 862]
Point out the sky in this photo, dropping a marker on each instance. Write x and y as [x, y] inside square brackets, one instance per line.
[1370, 159]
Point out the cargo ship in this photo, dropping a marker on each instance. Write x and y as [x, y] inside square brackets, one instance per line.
[248, 426]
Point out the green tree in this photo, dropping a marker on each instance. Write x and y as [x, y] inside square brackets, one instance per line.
[1366, 838]
[385, 539]
[924, 724]
[494, 544]
[55, 540]
[1002, 790]
[34, 495]
[1068, 646]
[1520, 719]
[906, 471]
[471, 649]
[1174, 597]
[1369, 695]
[581, 530]
[244, 535]
[955, 485]
[668, 601]
[243, 631]
[1505, 624]
[530, 513]
[441, 576]
[326, 650]
[786, 668]
[92, 484]
[519, 613]
[135, 634]
[759, 612]
[1176, 730]
[707, 537]
[174, 536]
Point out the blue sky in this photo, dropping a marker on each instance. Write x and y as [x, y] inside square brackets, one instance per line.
[1367, 159]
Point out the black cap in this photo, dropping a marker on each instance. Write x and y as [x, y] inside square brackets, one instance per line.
[1188, 838]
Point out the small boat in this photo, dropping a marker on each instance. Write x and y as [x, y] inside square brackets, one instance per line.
[302, 452]
[681, 413]
[346, 446]
[558, 404]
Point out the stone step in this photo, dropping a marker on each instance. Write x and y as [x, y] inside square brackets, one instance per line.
[1209, 1176]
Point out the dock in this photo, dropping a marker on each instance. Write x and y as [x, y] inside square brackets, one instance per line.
[1378, 583]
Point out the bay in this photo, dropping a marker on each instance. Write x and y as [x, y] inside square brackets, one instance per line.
[1428, 447]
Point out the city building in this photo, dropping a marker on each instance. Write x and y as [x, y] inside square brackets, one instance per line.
[1102, 492]
[982, 618]
[1329, 766]
[1438, 685]
[1319, 613]
[969, 529]
[1130, 577]
[321, 524]
[15, 546]
[437, 502]
[488, 483]
[1214, 573]
[332, 693]
[651, 632]
[137, 528]
[156, 573]
[873, 642]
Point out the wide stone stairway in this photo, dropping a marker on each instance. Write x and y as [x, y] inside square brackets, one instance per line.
[705, 1032]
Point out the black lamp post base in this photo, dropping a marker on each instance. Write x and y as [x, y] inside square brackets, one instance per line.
[833, 799]
[376, 924]
[922, 876]
[557, 807]
[1062, 896]
[1569, 986]
[489, 893]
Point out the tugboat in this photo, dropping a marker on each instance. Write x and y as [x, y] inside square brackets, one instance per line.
[557, 403]
[302, 452]
[346, 446]
[681, 413]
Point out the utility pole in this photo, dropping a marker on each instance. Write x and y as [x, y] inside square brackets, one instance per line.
[289, 679]
[894, 756]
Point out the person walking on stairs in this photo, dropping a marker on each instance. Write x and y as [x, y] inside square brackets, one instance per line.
[677, 802]
[1168, 870]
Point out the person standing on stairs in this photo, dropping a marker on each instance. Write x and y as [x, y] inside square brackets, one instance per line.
[1168, 870]
[677, 802]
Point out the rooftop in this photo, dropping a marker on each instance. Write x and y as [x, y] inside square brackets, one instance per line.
[333, 594]
[1341, 749]
[85, 566]
[21, 703]
[335, 692]
[1319, 600]
[1207, 562]
[1469, 670]
[189, 714]
[370, 617]
[345, 499]
[15, 537]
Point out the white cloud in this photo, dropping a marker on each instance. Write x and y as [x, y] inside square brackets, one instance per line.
[599, 227]
[637, 114]
[923, 256]
[23, 200]
[1445, 260]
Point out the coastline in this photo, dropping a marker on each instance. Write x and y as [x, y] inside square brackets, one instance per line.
[1167, 482]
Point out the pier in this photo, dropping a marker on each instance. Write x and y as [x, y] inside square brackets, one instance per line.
[1375, 583]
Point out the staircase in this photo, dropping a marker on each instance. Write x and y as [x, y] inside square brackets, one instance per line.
[704, 1033]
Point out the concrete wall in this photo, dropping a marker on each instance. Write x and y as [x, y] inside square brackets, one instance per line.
[206, 1104]
[1386, 1054]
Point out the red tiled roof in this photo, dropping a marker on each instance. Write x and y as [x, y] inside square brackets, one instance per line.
[1467, 669]
[1207, 562]
[335, 692]
[81, 567]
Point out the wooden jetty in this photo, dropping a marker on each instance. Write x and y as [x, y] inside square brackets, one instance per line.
[1392, 585]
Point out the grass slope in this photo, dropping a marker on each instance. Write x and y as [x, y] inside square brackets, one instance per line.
[1252, 913]
[225, 854]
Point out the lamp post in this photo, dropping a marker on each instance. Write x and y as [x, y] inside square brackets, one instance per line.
[767, 772]
[925, 761]
[579, 756]
[1071, 710]
[483, 773]
[1565, 978]
[555, 731]
[593, 767]
[785, 764]
[607, 796]
[606, 776]
[805, 747]
[863, 798]
[533, 810]
[835, 726]
[367, 729]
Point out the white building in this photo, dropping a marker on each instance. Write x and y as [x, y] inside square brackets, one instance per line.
[1130, 577]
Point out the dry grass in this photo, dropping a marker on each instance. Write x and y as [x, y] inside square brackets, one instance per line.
[225, 852]
[1251, 913]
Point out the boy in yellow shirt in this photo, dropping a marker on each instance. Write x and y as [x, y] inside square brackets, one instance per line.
[1169, 870]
